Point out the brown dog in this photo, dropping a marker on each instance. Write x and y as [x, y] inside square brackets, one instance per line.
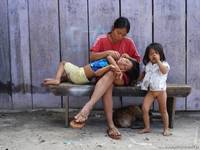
[124, 117]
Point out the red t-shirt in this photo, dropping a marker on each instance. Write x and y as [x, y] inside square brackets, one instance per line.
[126, 45]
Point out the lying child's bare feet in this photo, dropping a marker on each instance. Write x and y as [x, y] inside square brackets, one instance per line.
[145, 130]
[49, 81]
[167, 132]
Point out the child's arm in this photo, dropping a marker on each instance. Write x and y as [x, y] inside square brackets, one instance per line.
[112, 61]
[102, 71]
[163, 68]
[125, 55]
[116, 68]
[99, 55]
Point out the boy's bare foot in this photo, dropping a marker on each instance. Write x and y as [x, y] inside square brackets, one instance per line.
[49, 81]
[167, 132]
[145, 130]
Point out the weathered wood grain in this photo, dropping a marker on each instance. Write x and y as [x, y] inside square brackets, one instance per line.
[193, 51]
[5, 78]
[20, 52]
[102, 14]
[74, 31]
[44, 45]
[169, 30]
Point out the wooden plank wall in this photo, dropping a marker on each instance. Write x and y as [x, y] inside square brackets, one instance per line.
[5, 69]
[45, 47]
[193, 51]
[20, 53]
[36, 35]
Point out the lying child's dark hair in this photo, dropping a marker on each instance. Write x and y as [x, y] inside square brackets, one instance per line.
[134, 72]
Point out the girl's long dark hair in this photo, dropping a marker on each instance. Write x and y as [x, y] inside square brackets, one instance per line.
[134, 72]
[158, 48]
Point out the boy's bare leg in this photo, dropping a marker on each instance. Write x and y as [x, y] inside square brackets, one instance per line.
[101, 87]
[59, 74]
[162, 99]
[148, 100]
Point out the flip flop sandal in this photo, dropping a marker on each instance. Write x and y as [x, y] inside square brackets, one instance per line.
[76, 125]
[111, 133]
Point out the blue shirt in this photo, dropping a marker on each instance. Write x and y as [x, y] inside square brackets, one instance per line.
[98, 64]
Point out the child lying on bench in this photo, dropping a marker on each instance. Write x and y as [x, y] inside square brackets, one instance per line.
[81, 75]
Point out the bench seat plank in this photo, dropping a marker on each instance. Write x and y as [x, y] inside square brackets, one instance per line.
[68, 89]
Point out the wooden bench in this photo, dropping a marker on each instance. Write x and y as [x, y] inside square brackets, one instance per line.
[173, 91]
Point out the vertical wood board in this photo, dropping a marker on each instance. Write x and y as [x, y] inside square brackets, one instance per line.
[102, 14]
[193, 52]
[169, 30]
[44, 45]
[74, 31]
[5, 79]
[20, 60]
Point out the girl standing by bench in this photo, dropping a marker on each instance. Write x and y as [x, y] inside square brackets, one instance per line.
[155, 76]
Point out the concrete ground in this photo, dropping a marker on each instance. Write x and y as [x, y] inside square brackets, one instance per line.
[44, 130]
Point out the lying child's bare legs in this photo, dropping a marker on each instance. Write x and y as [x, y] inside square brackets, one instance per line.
[59, 74]
[148, 100]
[162, 99]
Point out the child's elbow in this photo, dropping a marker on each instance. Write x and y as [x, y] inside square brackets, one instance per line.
[163, 71]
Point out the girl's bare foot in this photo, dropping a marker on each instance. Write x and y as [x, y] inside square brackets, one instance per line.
[49, 81]
[167, 132]
[145, 130]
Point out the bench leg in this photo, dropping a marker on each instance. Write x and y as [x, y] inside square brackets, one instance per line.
[67, 111]
[171, 106]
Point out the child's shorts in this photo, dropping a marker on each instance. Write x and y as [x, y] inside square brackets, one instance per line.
[75, 74]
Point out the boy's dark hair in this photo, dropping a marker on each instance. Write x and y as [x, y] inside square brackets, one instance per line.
[134, 72]
[122, 22]
[158, 48]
